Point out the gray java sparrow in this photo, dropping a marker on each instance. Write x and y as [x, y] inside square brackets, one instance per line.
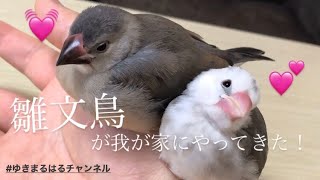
[144, 60]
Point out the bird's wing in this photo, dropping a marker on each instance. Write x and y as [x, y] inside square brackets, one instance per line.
[234, 55]
[158, 69]
[199, 38]
[195, 36]
[244, 54]
[257, 127]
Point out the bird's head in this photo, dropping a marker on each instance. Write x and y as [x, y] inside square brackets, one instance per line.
[97, 34]
[99, 38]
[225, 96]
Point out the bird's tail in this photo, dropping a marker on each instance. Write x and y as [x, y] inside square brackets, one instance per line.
[244, 54]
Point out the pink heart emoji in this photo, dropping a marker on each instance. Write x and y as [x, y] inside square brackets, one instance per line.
[296, 67]
[279, 82]
[41, 28]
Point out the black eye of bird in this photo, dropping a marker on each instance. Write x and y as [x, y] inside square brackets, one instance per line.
[226, 83]
[102, 47]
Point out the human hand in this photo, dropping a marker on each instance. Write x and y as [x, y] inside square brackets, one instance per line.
[69, 145]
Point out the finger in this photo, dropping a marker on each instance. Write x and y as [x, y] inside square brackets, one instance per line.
[28, 55]
[64, 21]
[6, 112]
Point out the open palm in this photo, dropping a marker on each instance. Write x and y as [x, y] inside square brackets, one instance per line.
[69, 145]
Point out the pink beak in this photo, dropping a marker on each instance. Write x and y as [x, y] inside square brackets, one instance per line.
[73, 51]
[236, 106]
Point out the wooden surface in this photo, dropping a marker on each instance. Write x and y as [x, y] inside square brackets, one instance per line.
[296, 112]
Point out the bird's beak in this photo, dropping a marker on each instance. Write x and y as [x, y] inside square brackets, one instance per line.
[236, 106]
[73, 51]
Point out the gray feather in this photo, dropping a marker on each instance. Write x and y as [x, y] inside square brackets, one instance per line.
[151, 62]
[244, 54]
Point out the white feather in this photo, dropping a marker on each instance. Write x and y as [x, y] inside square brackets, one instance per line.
[194, 114]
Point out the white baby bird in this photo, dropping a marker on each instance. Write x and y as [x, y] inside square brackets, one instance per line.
[215, 105]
